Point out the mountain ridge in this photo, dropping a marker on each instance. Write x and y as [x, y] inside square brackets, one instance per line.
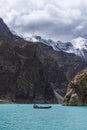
[77, 46]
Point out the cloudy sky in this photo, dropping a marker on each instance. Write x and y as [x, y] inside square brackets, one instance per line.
[55, 19]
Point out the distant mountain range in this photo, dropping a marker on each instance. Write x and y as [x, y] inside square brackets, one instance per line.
[32, 72]
[77, 46]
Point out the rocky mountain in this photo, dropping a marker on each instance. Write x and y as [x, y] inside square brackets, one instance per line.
[31, 72]
[77, 90]
[21, 74]
[4, 31]
[77, 46]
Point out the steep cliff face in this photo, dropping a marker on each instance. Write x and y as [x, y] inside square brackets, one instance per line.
[4, 31]
[31, 78]
[34, 72]
[21, 75]
[77, 90]
[70, 64]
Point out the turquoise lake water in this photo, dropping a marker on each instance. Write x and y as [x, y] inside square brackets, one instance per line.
[24, 117]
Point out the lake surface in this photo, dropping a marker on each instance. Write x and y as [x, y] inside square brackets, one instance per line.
[24, 117]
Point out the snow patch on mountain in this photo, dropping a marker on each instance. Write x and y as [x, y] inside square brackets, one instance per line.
[80, 47]
[79, 43]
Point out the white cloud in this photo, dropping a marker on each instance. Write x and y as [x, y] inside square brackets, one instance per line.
[45, 17]
[80, 27]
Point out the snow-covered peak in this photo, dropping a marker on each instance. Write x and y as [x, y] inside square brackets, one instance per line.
[79, 43]
[79, 39]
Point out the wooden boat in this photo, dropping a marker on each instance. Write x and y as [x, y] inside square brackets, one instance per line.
[41, 107]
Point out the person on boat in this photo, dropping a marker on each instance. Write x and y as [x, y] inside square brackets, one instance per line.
[35, 105]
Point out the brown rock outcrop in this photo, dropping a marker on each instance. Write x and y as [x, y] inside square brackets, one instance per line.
[77, 90]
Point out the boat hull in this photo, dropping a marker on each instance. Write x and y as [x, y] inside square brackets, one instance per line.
[41, 107]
